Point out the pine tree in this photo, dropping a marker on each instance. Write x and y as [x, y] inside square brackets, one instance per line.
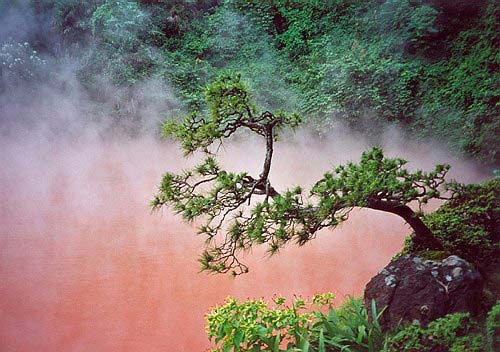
[240, 210]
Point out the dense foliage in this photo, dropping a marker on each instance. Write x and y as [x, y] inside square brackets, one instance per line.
[255, 325]
[453, 333]
[493, 328]
[468, 224]
[428, 65]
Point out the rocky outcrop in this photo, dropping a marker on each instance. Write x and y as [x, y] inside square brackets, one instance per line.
[414, 289]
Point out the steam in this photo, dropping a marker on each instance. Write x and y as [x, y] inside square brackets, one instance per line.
[82, 254]
[84, 264]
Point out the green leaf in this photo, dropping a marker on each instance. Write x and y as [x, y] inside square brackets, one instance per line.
[321, 342]
[277, 340]
[306, 346]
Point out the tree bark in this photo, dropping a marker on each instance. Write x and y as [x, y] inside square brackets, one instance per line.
[423, 237]
[268, 134]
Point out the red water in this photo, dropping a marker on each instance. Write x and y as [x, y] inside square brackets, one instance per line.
[85, 266]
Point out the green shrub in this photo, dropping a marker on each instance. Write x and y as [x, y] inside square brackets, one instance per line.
[493, 328]
[452, 333]
[254, 326]
[348, 328]
[467, 225]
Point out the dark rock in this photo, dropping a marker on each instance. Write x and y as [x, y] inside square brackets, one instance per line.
[414, 289]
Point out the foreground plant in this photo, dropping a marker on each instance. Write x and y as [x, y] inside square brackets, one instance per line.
[453, 332]
[255, 326]
[240, 210]
[349, 328]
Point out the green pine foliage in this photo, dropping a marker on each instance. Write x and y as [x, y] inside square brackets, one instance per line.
[240, 211]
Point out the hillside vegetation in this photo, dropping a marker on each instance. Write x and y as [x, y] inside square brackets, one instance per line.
[430, 66]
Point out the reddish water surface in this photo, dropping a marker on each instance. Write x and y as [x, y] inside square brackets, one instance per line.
[85, 265]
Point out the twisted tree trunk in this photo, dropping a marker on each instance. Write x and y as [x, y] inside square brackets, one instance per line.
[422, 237]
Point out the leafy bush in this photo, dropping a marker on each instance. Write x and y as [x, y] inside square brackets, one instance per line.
[452, 333]
[237, 42]
[493, 328]
[295, 24]
[348, 328]
[254, 326]
[124, 34]
[461, 88]
[71, 20]
[467, 225]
